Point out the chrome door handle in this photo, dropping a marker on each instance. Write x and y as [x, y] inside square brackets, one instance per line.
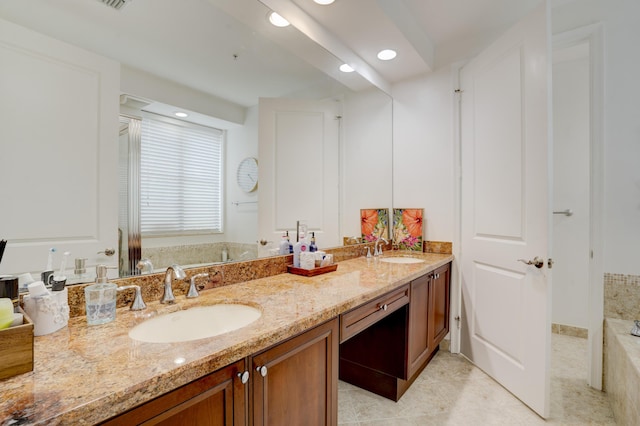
[537, 262]
[108, 252]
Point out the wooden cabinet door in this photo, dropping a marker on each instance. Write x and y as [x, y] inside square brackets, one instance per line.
[419, 342]
[439, 305]
[217, 399]
[296, 382]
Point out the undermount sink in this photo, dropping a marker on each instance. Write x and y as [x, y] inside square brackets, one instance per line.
[195, 323]
[401, 260]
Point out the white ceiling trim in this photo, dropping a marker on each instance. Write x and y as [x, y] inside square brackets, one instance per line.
[405, 21]
[316, 32]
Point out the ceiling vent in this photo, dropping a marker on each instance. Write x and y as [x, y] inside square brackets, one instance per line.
[116, 4]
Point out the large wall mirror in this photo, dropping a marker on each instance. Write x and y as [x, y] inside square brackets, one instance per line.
[322, 141]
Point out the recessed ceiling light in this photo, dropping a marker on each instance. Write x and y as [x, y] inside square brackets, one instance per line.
[180, 114]
[386, 54]
[278, 20]
[324, 2]
[346, 68]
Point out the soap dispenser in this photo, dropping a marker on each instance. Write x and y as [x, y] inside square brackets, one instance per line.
[300, 247]
[100, 298]
[284, 244]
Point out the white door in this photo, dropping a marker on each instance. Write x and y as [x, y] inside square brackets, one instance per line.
[58, 146]
[504, 211]
[299, 169]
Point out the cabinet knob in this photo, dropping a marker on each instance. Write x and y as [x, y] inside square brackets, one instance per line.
[244, 377]
[262, 370]
[384, 307]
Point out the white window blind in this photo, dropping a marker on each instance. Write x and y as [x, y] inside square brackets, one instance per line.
[180, 178]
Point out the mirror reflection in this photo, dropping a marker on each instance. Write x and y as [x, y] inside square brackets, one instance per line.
[323, 146]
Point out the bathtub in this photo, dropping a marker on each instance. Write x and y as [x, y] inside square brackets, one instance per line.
[622, 370]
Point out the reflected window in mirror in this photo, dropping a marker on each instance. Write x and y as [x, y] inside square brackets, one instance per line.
[180, 178]
[171, 186]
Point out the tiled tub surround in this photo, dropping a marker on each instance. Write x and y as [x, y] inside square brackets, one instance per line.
[621, 349]
[196, 254]
[85, 374]
[622, 296]
[622, 370]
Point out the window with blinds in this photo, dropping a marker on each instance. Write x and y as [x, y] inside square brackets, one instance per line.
[180, 178]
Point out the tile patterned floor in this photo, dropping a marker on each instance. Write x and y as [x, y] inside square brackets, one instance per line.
[451, 391]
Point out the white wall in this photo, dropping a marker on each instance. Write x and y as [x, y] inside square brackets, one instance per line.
[241, 221]
[571, 190]
[367, 149]
[423, 151]
[621, 122]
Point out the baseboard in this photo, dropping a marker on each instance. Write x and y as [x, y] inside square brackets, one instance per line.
[568, 330]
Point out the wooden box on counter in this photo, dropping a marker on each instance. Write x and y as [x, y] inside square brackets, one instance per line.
[16, 348]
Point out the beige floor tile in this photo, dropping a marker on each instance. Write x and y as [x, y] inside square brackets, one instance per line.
[451, 391]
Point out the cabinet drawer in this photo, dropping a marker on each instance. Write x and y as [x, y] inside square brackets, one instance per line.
[357, 319]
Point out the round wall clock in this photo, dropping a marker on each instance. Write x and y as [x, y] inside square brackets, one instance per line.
[247, 175]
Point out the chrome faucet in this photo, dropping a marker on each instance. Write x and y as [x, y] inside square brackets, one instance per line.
[377, 248]
[173, 271]
[145, 266]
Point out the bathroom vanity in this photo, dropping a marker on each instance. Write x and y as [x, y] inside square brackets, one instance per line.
[281, 369]
[293, 382]
[397, 334]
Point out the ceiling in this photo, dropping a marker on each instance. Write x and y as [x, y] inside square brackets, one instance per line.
[226, 48]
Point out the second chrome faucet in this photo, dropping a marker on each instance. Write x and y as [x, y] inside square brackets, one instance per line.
[173, 271]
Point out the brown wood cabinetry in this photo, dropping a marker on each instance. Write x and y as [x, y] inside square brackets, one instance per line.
[388, 355]
[420, 346]
[428, 316]
[216, 399]
[294, 382]
[438, 322]
[358, 319]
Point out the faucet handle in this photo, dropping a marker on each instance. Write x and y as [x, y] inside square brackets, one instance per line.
[193, 290]
[137, 304]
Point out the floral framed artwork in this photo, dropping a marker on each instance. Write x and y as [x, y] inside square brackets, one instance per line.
[408, 228]
[374, 223]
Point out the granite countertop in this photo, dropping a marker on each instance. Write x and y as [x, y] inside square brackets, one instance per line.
[86, 374]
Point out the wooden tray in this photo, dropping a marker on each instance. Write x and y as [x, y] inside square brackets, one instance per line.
[312, 272]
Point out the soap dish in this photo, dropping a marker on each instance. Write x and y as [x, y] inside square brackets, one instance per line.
[312, 272]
